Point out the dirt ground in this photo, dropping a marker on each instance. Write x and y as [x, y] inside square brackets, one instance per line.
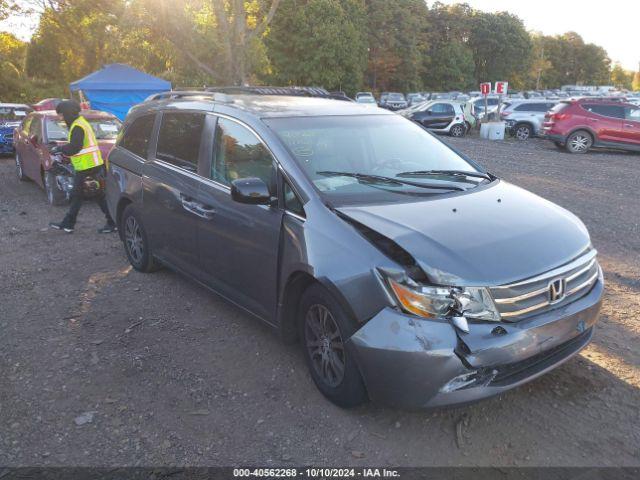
[104, 366]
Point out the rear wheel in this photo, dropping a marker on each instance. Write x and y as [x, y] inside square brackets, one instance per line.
[54, 195]
[324, 329]
[579, 142]
[136, 242]
[458, 130]
[523, 131]
[19, 170]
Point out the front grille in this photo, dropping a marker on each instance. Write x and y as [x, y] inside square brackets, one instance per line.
[547, 291]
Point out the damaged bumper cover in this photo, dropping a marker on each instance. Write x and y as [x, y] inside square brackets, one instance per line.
[412, 362]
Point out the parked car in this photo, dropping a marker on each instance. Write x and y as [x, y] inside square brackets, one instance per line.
[364, 95]
[11, 115]
[47, 104]
[42, 129]
[440, 116]
[415, 98]
[393, 101]
[367, 100]
[492, 104]
[579, 125]
[524, 118]
[404, 269]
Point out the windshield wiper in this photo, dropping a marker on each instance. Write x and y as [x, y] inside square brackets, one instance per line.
[453, 173]
[381, 179]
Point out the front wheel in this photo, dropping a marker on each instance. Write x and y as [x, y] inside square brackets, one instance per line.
[324, 329]
[19, 170]
[457, 130]
[55, 196]
[579, 142]
[136, 242]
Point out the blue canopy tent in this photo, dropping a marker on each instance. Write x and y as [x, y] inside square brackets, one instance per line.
[117, 87]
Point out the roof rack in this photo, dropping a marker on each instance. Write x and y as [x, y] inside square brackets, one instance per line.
[266, 90]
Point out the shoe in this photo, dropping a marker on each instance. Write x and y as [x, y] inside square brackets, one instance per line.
[61, 226]
[108, 229]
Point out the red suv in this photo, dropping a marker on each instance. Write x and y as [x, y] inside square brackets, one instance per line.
[578, 125]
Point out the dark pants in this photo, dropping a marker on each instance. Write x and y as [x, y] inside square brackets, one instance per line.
[76, 197]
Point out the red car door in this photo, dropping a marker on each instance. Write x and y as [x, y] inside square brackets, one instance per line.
[32, 156]
[606, 121]
[631, 126]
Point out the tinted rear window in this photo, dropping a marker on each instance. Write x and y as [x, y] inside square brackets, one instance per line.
[532, 107]
[137, 135]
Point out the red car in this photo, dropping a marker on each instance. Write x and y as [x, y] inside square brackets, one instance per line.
[41, 130]
[578, 125]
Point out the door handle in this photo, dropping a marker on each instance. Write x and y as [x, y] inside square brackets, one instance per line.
[197, 208]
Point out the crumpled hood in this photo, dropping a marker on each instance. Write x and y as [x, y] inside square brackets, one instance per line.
[489, 236]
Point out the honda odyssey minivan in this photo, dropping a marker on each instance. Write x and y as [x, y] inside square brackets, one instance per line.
[408, 274]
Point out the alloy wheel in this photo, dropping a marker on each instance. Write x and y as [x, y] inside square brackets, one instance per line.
[19, 171]
[133, 240]
[579, 143]
[48, 188]
[523, 132]
[324, 345]
[457, 131]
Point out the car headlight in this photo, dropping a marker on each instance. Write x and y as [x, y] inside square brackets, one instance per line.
[431, 301]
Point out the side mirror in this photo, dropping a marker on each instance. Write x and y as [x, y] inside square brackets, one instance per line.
[251, 190]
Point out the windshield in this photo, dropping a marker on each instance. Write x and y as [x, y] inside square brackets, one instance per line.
[396, 96]
[365, 100]
[13, 114]
[104, 128]
[369, 145]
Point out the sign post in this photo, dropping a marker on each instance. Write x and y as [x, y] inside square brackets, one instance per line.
[501, 89]
[485, 89]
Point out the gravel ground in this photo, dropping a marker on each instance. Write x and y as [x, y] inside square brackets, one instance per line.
[104, 366]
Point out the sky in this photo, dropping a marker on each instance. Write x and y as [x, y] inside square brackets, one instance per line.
[612, 24]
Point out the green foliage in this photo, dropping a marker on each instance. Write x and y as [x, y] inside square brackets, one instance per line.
[635, 85]
[327, 40]
[393, 45]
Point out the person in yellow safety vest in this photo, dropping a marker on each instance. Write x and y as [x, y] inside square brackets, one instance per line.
[86, 159]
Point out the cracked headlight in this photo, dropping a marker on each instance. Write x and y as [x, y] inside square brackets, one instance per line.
[430, 302]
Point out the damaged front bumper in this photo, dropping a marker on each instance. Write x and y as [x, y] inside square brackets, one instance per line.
[412, 362]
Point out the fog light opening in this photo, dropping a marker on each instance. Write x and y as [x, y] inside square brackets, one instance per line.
[473, 378]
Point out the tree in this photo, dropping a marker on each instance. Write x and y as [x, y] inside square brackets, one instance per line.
[620, 77]
[319, 42]
[451, 67]
[501, 46]
[396, 31]
[635, 85]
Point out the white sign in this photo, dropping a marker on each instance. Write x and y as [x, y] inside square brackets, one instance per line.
[502, 88]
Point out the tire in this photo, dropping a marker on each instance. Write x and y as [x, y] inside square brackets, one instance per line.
[579, 142]
[523, 131]
[136, 241]
[324, 328]
[19, 170]
[54, 195]
[457, 130]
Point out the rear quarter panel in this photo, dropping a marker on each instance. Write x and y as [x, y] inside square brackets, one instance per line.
[124, 179]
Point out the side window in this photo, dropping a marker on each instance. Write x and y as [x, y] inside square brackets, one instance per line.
[240, 154]
[291, 201]
[443, 108]
[137, 135]
[179, 139]
[632, 114]
[613, 111]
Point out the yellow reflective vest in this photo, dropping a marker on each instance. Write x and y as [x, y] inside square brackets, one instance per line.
[89, 156]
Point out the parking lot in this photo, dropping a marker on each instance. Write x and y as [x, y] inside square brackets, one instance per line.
[102, 365]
